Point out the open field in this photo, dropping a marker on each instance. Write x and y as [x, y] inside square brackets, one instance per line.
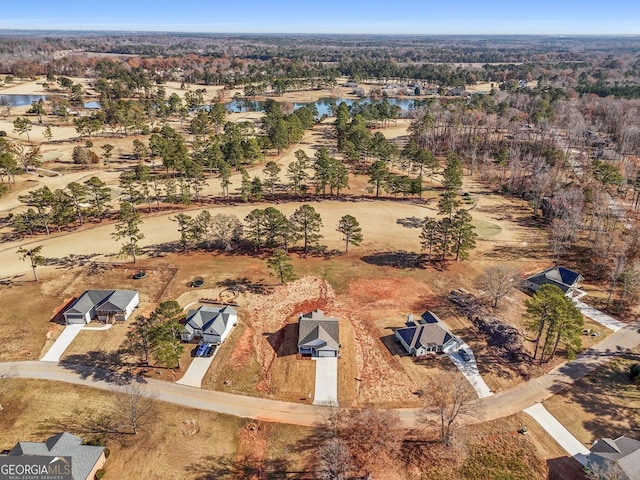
[187, 443]
[604, 404]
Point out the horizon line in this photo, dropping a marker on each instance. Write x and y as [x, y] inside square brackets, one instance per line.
[370, 34]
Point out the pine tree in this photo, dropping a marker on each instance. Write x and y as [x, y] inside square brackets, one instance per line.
[128, 229]
[281, 266]
[307, 223]
[351, 232]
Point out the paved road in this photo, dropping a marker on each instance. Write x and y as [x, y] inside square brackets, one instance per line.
[496, 406]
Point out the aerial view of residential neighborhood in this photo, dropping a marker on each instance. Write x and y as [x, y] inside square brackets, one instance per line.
[319, 241]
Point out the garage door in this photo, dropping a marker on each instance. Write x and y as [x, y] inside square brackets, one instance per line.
[326, 353]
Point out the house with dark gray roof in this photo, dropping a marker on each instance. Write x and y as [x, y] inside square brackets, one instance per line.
[210, 323]
[620, 458]
[86, 460]
[318, 335]
[566, 280]
[106, 305]
[425, 336]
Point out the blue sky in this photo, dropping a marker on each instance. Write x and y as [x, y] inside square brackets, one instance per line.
[330, 16]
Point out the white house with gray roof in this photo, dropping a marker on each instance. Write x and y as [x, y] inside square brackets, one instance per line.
[318, 335]
[566, 280]
[212, 324]
[428, 335]
[86, 460]
[106, 305]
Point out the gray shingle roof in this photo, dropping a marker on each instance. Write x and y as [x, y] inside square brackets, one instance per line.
[83, 457]
[212, 320]
[623, 450]
[559, 276]
[318, 332]
[429, 332]
[106, 301]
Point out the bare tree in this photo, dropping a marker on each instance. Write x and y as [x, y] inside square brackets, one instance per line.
[448, 405]
[333, 460]
[497, 282]
[357, 442]
[134, 406]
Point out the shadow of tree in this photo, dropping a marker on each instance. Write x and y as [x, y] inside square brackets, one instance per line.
[221, 468]
[242, 285]
[608, 395]
[70, 261]
[410, 222]
[9, 280]
[102, 365]
[401, 259]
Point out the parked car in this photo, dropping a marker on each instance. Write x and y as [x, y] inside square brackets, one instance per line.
[211, 350]
[464, 355]
[202, 350]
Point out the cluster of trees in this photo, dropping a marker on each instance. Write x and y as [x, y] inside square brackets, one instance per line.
[453, 234]
[157, 336]
[28, 156]
[266, 228]
[283, 130]
[554, 320]
[76, 203]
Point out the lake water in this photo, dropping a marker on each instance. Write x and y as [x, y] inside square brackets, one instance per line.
[323, 105]
[19, 100]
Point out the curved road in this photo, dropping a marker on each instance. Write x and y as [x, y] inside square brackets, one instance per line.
[499, 405]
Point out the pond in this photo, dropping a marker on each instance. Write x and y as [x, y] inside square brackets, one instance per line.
[14, 100]
[323, 105]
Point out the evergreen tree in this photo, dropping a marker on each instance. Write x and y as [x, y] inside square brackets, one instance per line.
[280, 265]
[554, 319]
[463, 236]
[351, 232]
[378, 175]
[306, 223]
[99, 195]
[128, 229]
[35, 257]
[272, 176]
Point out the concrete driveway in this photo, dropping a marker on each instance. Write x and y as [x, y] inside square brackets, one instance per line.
[326, 391]
[469, 369]
[197, 370]
[67, 336]
[600, 317]
[560, 434]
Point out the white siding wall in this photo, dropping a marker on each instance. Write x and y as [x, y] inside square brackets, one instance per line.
[233, 319]
[133, 304]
